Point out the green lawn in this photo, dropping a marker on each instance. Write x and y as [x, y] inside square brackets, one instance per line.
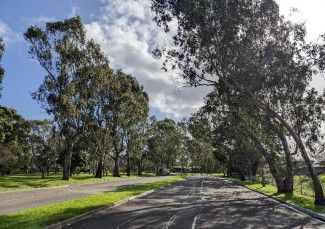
[297, 199]
[46, 215]
[16, 182]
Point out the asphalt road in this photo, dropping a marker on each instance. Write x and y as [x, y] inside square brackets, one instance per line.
[19, 200]
[201, 202]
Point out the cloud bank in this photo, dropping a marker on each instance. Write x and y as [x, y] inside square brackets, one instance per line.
[127, 34]
[7, 34]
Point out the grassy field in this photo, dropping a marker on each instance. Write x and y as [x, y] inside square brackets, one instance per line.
[17, 182]
[46, 215]
[305, 201]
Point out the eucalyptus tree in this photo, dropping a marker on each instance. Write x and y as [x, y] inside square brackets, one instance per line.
[128, 108]
[63, 52]
[164, 145]
[236, 125]
[42, 142]
[99, 90]
[136, 108]
[199, 141]
[139, 143]
[14, 148]
[2, 49]
[240, 46]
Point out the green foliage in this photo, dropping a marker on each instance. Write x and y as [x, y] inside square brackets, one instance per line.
[69, 61]
[165, 143]
[43, 143]
[14, 150]
[42, 216]
[88, 100]
[261, 62]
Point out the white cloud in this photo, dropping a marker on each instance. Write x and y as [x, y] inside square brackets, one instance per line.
[7, 34]
[127, 33]
[310, 12]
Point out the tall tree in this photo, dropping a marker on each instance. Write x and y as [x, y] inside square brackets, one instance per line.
[164, 144]
[245, 47]
[42, 143]
[130, 105]
[63, 52]
[101, 87]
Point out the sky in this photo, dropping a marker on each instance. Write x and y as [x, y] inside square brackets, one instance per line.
[127, 35]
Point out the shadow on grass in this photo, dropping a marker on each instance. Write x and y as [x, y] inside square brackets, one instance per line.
[35, 181]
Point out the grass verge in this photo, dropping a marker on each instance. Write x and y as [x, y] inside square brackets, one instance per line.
[46, 215]
[296, 199]
[20, 182]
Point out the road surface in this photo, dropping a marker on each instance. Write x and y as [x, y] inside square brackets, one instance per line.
[19, 200]
[201, 202]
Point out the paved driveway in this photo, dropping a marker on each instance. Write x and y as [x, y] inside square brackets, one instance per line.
[201, 202]
[19, 200]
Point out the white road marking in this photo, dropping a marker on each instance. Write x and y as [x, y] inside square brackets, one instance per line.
[191, 193]
[170, 221]
[194, 221]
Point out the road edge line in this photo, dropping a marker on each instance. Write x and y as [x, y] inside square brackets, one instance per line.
[297, 208]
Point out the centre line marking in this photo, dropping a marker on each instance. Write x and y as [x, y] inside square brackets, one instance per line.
[194, 221]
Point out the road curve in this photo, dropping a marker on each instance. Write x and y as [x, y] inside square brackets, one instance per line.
[201, 202]
[19, 200]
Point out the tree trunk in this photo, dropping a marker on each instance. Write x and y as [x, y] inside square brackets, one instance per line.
[318, 189]
[67, 165]
[242, 176]
[288, 181]
[116, 171]
[263, 177]
[269, 159]
[128, 166]
[100, 168]
[139, 165]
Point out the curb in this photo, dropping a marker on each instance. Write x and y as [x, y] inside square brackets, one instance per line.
[306, 211]
[93, 213]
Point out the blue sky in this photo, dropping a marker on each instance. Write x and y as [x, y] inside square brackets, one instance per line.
[22, 74]
[127, 34]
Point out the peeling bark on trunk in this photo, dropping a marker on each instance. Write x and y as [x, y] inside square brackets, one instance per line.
[269, 159]
[116, 171]
[288, 181]
[128, 166]
[67, 165]
[318, 189]
[139, 165]
[100, 168]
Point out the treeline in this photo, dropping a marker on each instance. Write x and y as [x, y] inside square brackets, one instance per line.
[100, 116]
[263, 107]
